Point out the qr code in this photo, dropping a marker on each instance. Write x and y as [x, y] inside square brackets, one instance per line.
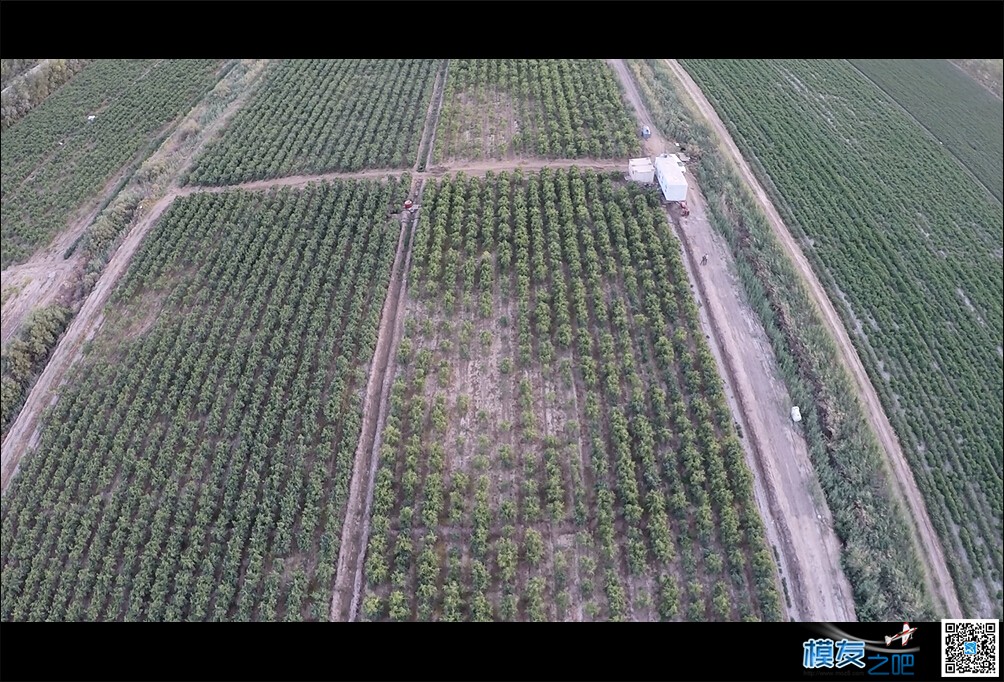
[970, 648]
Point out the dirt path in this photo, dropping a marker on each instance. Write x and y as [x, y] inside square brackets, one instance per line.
[47, 273]
[355, 528]
[432, 117]
[796, 519]
[975, 78]
[86, 322]
[60, 273]
[932, 556]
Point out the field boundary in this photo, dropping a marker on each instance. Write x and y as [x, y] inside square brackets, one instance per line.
[432, 118]
[355, 527]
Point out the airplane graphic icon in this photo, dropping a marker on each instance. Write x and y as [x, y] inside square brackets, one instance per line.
[903, 635]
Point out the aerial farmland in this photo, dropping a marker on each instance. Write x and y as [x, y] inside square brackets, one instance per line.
[415, 340]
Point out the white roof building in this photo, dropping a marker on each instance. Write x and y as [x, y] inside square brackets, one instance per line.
[669, 173]
[641, 170]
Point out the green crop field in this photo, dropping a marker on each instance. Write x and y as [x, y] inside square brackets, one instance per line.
[323, 115]
[54, 160]
[558, 444]
[910, 248]
[554, 108]
[952, 106]
[196, 465]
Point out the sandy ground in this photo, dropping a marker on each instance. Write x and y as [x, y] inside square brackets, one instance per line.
[797, 521]
[933, 558]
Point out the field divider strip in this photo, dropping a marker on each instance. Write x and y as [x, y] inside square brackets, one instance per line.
[432, 117]
[355, 529]
[84, 325]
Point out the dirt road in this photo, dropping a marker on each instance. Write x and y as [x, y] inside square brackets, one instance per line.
[25, 75]
[932, 556]
[47, 273]
[797, 520]
[355, 528]
[471, 169]
[40, 280]
[432, 117]
[59, 272]
[22, 432]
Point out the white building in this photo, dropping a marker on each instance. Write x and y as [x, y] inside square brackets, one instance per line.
[641, 170]
[669, 173]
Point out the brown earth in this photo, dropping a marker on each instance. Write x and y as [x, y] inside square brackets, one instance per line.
[933, 561]
[796, 518]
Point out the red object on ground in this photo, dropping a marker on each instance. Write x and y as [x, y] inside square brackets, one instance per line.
[407, 204]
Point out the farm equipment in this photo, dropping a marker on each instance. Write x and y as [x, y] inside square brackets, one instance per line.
[674, 206]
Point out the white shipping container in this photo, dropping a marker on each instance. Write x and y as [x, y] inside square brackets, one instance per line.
[670, 177]
[641, 170]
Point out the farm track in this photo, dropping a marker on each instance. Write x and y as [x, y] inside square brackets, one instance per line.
[22, 433]
[24, 430]
[976, 80]
[345, 600]
[355, 529]
[935, 567]
[475, 169]
[48, 272]
[432, 118]
[788, 497]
